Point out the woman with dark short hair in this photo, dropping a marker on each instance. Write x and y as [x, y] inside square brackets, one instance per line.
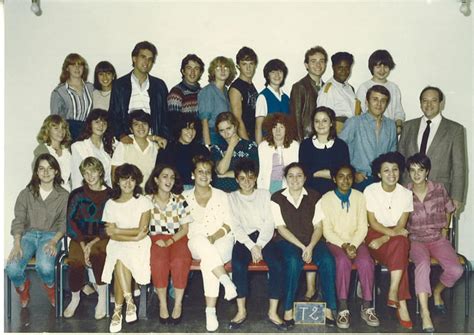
[104, 76]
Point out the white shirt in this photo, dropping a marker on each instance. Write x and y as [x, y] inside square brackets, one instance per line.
[339, 97]
[276, 211]
[261, 108]
[433, 129]
[251, 213]
[394, 108]
[64, 164]
[388, 207]
[139, 99]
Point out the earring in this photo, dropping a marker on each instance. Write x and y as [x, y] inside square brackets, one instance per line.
[192, 177]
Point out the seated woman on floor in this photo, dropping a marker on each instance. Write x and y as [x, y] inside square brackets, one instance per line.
[428, 225]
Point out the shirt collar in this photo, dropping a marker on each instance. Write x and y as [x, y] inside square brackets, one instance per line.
[434, 121]
[286, 193]
[320, 145]
[137, 82]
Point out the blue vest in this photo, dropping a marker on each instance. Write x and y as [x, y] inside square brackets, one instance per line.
[274, 105]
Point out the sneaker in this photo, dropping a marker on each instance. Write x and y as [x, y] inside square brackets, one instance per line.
[25, 294]
[211, 321]
[116, 325]
[343, 319]
[51, 293]
[369, 316]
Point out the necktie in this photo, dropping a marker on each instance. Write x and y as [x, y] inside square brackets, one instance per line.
[424, 139]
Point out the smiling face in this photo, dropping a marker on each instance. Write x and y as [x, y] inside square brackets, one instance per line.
[275, 78]
[202, 174]
[389, 174]
[344, 180]
[381, 72]
[226, 130]
[165, 181]
[57, 132]
[316, 65]
[92, 177]
[105, 80]
[418, 174]
[322, 124]
[127, 185]
[192, 72]
[295, 179]
[246, 182]
[377, 103]
[140, 129]
[187, 134]
[75, 70]
[430, 104]
[99, 127]
[143, 62]
[342, 71]
[45, 172]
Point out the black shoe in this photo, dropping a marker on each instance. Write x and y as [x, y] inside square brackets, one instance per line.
[289, 323]
[441, 309]
[330, 323]
[165, 321]
[235, 324]
[176, 321]
[279, 326]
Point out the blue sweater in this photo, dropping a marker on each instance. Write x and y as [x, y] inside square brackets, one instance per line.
[274, 105]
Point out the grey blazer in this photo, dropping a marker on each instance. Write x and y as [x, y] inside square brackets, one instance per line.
[447, 153]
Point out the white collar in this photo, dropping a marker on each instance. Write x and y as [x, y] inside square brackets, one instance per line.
[320, 145]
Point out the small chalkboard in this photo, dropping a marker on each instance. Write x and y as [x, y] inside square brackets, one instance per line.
[310, 313]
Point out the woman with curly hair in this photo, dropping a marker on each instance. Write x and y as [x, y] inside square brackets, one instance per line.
[277, 150]
[213, 99]
[54, 138]
[72, 98]
[126, 218]
[95, 141]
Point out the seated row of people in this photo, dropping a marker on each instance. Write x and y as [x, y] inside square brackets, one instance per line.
[113, 228]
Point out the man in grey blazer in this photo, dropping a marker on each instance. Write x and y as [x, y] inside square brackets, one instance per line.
[444, 144]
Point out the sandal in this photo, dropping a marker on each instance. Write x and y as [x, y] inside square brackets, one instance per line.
[116, 325]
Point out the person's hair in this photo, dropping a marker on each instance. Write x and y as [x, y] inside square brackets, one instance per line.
[226, 116]
[292, 165]
[138, 115]
[72, 59]
[336, 169]
[107, 138]
[381, 57]
[271, 121]
[313, 51]
[201, 159]
[393, 157]
[274, 65]
[332, 117]
[246, 54]
[56, 120]
[342, 56]
[221, 60]
[191, 58]
[183, 121]
[419, 159]
[379, 89]
[126, 171]
[437, 89]
[35, 182]
[152, 188]
[246, 165]
[94, 164]
[103, 66]
[145, 45]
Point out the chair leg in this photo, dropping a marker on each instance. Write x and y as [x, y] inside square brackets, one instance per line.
[417, 304]
[107, 298]
[142, 313]
[467, 286]
[8, 283]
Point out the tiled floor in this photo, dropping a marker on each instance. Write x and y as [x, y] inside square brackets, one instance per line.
[39, 316]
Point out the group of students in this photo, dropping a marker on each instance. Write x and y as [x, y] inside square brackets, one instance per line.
[127, 203]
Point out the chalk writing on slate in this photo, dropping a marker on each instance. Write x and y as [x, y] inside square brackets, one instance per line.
[310, 313]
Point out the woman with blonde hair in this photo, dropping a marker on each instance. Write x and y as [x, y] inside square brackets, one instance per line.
[72, 98]
[54, 138]
[213, 99]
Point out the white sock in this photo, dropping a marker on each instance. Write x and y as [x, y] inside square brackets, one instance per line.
[211, 319]
[71, 308]
[230, 289]
[100, 308]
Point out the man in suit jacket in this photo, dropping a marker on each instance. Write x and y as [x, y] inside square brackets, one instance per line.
[445, 144]
[139, 90]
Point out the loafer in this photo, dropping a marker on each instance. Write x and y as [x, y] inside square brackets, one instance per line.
[330, 322]
[441, 309]
[236, 324]
[278, 326]
[165, 321]
[289, 323]
[176, 321]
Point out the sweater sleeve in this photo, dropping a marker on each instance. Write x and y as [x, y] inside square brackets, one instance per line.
[19, 223]
[268, 227]
[73, 207]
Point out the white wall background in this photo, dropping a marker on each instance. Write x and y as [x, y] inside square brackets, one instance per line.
[431, 42]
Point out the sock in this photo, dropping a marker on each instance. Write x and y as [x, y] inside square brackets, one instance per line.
[230, 289]
[366, 304]
[342, 304]
[71, 308]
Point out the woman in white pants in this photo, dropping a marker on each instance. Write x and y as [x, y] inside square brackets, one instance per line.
[210, 236]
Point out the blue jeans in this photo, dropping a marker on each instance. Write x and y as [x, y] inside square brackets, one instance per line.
[241, 257]
[32, 244]
[293, 265]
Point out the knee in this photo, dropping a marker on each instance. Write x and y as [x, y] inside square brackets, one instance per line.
[327, 263]
[293, 264]
[401, 243]
[14, 269]
[45, 268]
[456, 271]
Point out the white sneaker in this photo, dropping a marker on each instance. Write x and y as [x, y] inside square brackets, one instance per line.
[211, 321]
